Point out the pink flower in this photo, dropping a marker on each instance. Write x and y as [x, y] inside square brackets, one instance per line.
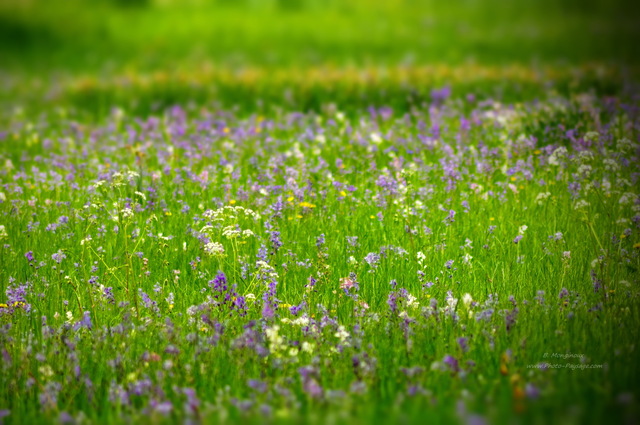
[346, 283]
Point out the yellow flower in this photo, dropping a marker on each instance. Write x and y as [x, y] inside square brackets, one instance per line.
[343, 193]
[232, 202]
[290, 199]
[306, 204]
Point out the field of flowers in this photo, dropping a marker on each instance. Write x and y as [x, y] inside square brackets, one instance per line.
[461, 260]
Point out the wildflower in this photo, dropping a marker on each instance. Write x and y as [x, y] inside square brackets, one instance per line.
[451, 363]
[215, 249]
[346, 283]
[463, 343]
[372, 259]
[58, 256]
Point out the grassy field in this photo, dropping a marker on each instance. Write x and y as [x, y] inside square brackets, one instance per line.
[313, 212]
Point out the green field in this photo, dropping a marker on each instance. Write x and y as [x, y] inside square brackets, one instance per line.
[319, 212]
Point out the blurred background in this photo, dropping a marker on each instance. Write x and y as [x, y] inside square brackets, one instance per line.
[88, 45]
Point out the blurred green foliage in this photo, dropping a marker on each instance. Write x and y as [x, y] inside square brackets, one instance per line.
[153, 34]
[146, 54]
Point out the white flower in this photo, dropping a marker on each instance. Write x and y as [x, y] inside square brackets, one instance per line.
[231, 232]
[301, 321]
[276, 342]
[592, 136]
[558, 154]
[452, 302]
[214, 249]
[3, 232]
[581, 204]
[412, 302]
[127, 213]
[307, 347]
[627, 198]
[542, 196]
[611, 164]
[467, 299]
[342, 334]
[522, 229]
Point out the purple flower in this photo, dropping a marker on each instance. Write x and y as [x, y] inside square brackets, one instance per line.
[451, 363]
[295, 309]
[85, 322]
[597, 282]
[531, 391]
[29, 256]
[258, 386]
[219, 283]
[276, 242]
[450, 217]
[352, 240]
[192, 403]
[313, 388]
[107, 293]
[164, 407]
[58, 256]
[517, 239]
[441, 94]
[463, 343]
[372, 259]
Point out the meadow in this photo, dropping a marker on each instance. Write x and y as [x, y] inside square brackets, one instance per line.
[296, 225]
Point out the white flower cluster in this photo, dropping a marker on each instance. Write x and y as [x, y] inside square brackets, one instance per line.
[542, 196]
[276, 341]
[230, 213]
[558, 155]
[266, 270]
[234, 232]
[214, 249]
